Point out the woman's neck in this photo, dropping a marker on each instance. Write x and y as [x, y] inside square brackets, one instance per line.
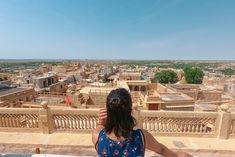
[114, 137]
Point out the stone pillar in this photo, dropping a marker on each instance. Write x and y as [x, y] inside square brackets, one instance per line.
[225, 122]
[45, 119]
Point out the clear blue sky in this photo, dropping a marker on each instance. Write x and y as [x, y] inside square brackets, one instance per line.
[117, 29]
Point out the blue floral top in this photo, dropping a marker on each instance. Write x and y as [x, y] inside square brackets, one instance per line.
[132, 147]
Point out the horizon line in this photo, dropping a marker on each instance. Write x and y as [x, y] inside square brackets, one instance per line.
[110, 59]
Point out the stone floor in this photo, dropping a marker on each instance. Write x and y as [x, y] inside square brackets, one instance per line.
[79, 151]
[81, 145]
[148, 155]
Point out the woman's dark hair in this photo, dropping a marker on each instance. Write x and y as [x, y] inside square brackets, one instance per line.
[119, 108]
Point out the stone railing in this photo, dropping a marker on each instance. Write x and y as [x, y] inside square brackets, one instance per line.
[38, 104]
[162, 123]
[19, 119]
[175, 123]
[99, 91]
[51, 94]
[75, 120]
[153, 98]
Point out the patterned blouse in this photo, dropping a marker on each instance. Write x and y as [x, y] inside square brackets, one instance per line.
[132, 147]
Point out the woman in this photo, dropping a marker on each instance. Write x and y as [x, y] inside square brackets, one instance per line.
[115, 134]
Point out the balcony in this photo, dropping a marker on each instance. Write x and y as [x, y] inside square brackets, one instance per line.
[68, 131]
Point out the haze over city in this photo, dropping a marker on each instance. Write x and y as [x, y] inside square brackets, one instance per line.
[108, 29]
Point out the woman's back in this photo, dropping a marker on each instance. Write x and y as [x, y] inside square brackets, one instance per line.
[117, 120]
[130, 147]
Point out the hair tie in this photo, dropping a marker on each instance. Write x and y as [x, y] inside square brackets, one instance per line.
[116, 100]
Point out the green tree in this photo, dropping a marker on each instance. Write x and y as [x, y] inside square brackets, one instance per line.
[165, 76]
[228, 71]
[193, 75]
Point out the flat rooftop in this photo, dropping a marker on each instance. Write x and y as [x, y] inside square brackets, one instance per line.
[50, 99]
[175, 97]
[131, 73]
[185, 90]
[206, 107]
[145, 81]
[5, 91]
[89, 89]
[44, 77]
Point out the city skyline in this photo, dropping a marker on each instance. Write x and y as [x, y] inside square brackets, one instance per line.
[153, 30]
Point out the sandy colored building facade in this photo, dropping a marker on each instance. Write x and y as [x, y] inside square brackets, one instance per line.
[130, 75]
[146, 95]
[45, 81]
[15, 96]
[198, 92]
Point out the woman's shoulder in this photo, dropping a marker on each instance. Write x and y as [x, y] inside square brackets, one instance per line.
[96, 134]
[138, 133]
[101, 133]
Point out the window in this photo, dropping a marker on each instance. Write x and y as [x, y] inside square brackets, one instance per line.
[44, 83]
[136, 88]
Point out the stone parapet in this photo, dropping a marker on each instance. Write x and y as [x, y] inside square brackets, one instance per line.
[161, 123]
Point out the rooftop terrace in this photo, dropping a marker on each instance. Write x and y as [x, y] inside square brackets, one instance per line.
[68, 131]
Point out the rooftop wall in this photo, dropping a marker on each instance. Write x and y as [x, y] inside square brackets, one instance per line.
[163, 123]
